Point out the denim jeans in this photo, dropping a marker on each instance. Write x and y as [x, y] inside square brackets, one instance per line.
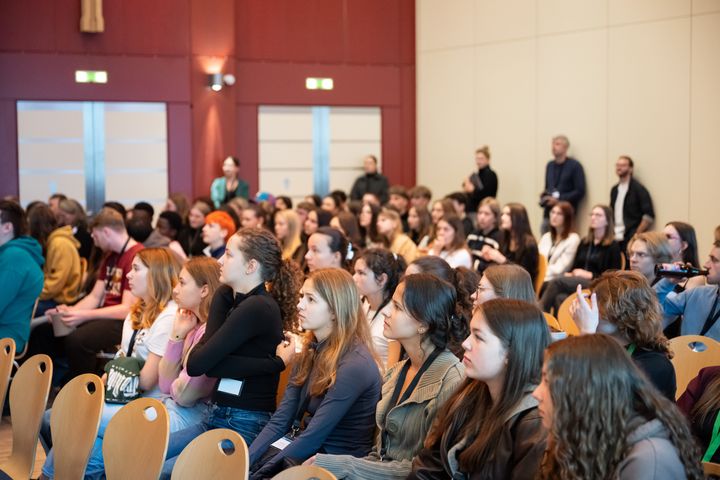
[180, 418]
[247, 423]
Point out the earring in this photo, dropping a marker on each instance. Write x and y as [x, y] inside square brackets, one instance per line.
[421, 331]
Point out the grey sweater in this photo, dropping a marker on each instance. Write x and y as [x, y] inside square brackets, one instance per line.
[407, 424]
[652, 455]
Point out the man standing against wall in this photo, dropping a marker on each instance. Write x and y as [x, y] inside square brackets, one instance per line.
[564, 179]
[631, 203]
[371, 182]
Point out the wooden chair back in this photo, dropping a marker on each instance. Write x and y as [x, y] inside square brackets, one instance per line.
[567, 324]
[552, 321]
[542, 270]
[74, 423]
[7, 357]
[305, 472]
[711, 470]
[691, 354]
[136, 441]
[220, 453]
[28, 397]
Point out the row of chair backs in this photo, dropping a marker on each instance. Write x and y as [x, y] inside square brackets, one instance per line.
[28, 397]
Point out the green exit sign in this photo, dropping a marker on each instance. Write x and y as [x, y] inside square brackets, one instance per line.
[91, 76]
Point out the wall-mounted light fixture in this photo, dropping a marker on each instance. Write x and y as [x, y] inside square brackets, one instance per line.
[216, 81]
[316, 83]
[91, 76]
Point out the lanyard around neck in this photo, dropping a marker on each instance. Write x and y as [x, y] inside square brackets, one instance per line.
[715, 440]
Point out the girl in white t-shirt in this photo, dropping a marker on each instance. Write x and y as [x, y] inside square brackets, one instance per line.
[377, 274]
[152, 278]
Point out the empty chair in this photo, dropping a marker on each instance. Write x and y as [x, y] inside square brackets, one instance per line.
[691, 354]
[28, 397]
[216, 454]
[305, 472]
[136, 440]
[7, 356]
[74, 423]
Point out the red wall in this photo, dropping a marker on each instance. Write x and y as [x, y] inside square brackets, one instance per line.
[162, 51]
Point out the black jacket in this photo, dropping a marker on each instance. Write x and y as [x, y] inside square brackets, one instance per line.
[485, 182]
[370, 183]
[637, 205]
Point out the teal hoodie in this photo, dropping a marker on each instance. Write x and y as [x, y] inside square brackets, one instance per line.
[21, 281]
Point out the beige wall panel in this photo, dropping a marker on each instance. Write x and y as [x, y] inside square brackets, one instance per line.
[630, 11]
[445, 118]
[342, 179]
[135, 155]
[127, 188]
[351, 154]
[52, 155]
[572, 100]
[50, 124]
[293, 183]
[37, 187]
[648, 112]
[705, 133]
[285, 123]
[355, 124]
[497, 20]
[705, 6]
[443, 24]
[135, 125]
[555, 16]
[297, 154]
[505, 117]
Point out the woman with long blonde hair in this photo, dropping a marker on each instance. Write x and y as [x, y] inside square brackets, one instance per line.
[145, 334]
[335, 380]
[287, 230]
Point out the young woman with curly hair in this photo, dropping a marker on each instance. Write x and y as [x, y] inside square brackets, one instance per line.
[624, 306]
[605, 420]
[335, 381]
[423, 318]
[246, 320]
[491, 427]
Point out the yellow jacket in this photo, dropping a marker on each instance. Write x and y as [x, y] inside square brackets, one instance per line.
[63, 273]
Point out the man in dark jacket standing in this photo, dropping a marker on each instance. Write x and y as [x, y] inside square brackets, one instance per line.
[564, 179]
[631, 203]
[372, 182]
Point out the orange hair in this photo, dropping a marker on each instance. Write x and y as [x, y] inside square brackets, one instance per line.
[224, 220]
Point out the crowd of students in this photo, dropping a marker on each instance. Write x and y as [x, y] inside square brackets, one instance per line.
[416, 343]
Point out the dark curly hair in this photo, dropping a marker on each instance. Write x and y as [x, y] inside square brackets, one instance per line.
[433, 302]
[283, 276]
[599, 397]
